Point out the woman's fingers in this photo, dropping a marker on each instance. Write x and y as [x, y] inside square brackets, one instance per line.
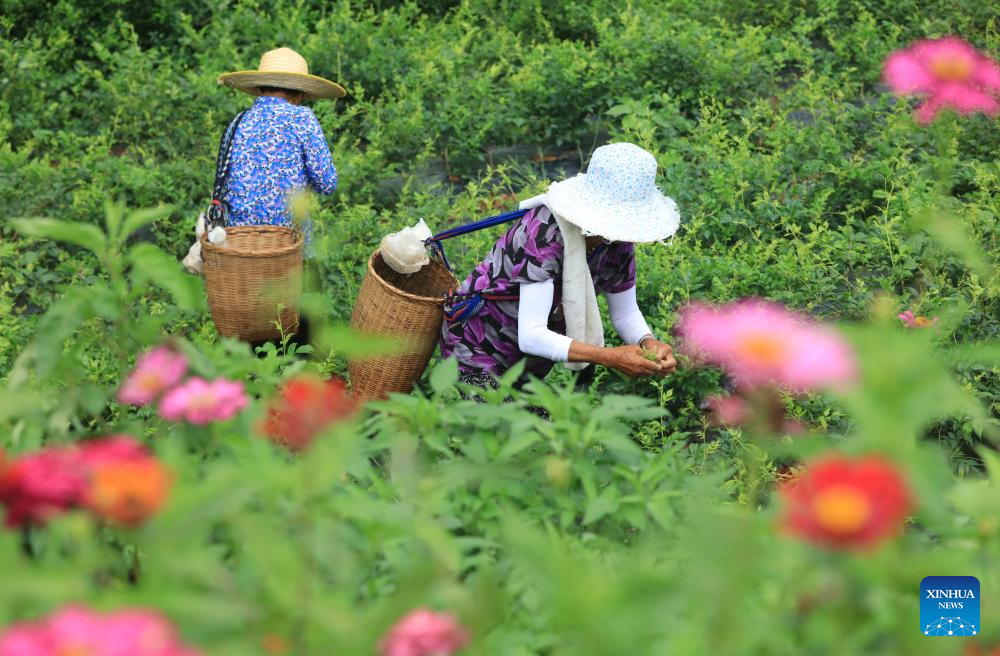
[649, 368]
[642, 365]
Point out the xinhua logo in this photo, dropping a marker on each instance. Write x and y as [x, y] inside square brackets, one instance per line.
[949, 606]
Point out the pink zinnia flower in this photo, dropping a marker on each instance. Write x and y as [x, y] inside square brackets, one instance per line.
[201, 402]
[111, 450]
[911, 320]
[78, 630]
[423, 632]
[154, 373]
[727, 410]
[949, 72]
[762, 343]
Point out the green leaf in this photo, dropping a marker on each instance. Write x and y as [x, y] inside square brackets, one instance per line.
[519, 442]
[152, 265]
[139, 218]
[603, 504]
[983, 354]
[113, 214]
[61, 321]
[444, 376]
[621, 447]
[80, 234]
[345, 341]
[17, 404]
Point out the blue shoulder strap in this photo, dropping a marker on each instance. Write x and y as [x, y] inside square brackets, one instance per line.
[435, 241]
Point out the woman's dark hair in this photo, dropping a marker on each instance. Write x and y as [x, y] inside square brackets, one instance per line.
[291, 92]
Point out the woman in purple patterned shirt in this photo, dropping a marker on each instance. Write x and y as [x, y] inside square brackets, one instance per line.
[534, 296]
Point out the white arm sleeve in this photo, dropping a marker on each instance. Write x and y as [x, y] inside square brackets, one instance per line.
[626, 317]
[533, 334]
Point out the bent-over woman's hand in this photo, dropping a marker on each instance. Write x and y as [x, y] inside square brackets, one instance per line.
[631, 360]
[662, 353]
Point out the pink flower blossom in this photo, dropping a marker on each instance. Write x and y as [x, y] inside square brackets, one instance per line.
[78, 630]
[911, 320]
[761, 343]
[155, 372]
[201, 402]
[727, 410]
[111, 450]
[422, 632]
[949, 73]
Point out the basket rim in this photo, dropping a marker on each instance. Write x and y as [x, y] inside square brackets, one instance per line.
[274, 252]
[437, 300]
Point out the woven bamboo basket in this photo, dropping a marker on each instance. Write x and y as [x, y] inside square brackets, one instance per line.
[254, 281]
[406, 307]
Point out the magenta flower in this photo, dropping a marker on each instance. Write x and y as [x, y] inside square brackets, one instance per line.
[949, 73]
[201, 402]
[155, 372]
[78, 630]
[40, 485]
[911, 320]
[761, 343]
[422, 632]
[110, 450]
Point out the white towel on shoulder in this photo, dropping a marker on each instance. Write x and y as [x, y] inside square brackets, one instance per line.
[579, 298]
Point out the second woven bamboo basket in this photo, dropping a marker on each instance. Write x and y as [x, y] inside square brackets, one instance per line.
[406, 307]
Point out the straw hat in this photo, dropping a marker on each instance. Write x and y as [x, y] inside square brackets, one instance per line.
[286, 69]
[617, 197]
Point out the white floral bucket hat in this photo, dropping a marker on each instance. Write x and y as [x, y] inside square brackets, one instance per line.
[617, 197]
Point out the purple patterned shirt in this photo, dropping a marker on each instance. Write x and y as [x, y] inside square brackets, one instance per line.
[278, 147]
[531, 251]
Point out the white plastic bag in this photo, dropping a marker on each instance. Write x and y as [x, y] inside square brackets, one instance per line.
[404, 251]
[217, 235]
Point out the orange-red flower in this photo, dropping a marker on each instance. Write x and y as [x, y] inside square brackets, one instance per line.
[304, 407]
[128, 492]
[846, 503]
[273, 643]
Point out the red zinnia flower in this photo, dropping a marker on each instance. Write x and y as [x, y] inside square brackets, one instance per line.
[115, 476]
[305, 406]
[846, 503]
[40, 485]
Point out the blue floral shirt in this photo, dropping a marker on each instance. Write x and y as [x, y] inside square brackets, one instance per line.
[278, 147]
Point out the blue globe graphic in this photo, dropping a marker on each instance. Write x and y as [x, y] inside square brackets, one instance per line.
[950, 626]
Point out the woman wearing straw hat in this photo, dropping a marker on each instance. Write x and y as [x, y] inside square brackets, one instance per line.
[535, 293]
[274, 149]
[278, 146]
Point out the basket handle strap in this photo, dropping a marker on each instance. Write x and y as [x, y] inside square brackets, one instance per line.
[218, 211]
[464, 229]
